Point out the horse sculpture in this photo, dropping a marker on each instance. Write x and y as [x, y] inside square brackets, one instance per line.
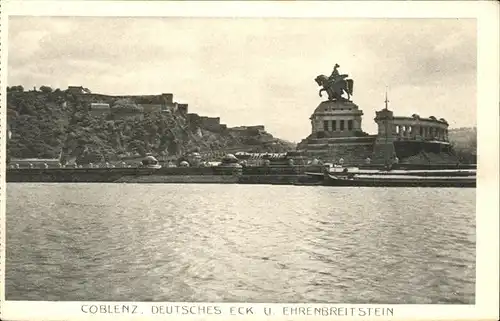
[335, 88]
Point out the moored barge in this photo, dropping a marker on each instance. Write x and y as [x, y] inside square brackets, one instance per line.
[388, 180]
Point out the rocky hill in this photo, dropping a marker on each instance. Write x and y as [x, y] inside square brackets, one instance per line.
[53, 124]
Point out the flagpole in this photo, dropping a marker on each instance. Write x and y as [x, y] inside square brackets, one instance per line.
[386, 127]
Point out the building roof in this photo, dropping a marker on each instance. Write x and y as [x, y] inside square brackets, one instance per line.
[326, 106]
[99, 105]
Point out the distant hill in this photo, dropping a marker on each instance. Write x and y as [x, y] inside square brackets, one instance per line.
[54, 123]
[464, 141]
[463, 136]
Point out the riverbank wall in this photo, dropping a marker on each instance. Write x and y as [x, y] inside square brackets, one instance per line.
[282, 175]
[121, 175]
[199, 175]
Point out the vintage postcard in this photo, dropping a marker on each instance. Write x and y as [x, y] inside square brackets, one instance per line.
[287, 160]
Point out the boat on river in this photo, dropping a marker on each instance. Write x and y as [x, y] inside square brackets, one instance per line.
[353, 176]
[388, 180]
[405, 172]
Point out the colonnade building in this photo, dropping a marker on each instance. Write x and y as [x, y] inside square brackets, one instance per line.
[411, 128]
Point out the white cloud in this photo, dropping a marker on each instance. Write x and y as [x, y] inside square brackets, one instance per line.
[25, 44]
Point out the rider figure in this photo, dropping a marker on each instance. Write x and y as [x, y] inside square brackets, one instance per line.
[335, 74]
[335, 85]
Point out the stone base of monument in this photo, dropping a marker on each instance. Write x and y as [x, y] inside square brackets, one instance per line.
[383, 152]
[336, 118]
[339, 103]
[353, 150]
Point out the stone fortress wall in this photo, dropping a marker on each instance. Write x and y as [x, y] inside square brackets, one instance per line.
[100, 106]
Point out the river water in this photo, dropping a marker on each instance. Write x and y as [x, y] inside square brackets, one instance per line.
[240, 243]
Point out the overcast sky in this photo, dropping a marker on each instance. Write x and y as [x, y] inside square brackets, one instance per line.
[254, 71]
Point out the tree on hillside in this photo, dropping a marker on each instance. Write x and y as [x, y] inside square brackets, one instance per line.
[45, 89]
[18, 88]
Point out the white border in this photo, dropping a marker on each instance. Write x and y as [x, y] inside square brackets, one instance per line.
[344, 9]
[487, 271]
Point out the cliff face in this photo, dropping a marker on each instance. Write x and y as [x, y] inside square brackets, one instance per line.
[60, 123]
[38, 123]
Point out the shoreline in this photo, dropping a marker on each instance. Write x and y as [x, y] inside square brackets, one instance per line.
[274, 175]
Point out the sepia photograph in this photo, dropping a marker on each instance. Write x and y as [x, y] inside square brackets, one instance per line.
[287, 160]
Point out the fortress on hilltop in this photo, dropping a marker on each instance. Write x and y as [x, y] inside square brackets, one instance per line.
[75, 125]
[337, 131]
[100, 106]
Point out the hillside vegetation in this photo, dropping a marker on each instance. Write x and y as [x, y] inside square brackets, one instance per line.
[50, 124]
[464, 141]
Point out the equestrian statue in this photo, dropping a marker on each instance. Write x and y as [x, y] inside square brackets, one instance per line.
[335, 85]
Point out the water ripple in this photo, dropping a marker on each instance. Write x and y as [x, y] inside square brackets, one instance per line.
[240, 243]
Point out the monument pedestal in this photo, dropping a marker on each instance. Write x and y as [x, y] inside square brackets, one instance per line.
[336, 133]
[337, 118]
